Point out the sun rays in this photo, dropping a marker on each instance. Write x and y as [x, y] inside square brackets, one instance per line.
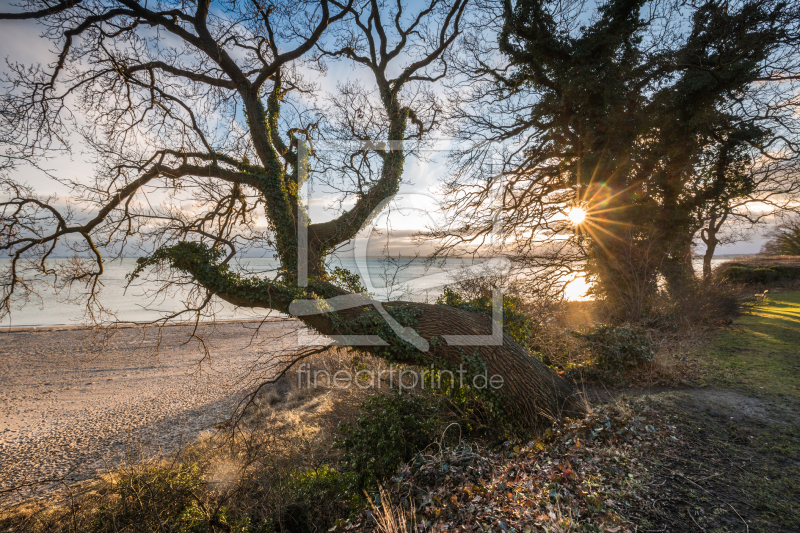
[577, 215]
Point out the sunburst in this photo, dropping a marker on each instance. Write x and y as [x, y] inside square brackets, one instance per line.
[577, 215]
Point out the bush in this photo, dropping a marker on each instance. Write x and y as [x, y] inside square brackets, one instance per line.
[617, 348]
[698, 304]
[390, 431]
[318, 498]
[787, 272]
[749, 275]
[155, 499]
[393, 428]
[758, 275]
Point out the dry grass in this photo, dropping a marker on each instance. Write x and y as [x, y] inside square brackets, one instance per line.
[676, 347]
[392, 518]
[675, 362]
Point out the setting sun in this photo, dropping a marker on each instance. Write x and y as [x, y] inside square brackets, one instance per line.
[577, 215]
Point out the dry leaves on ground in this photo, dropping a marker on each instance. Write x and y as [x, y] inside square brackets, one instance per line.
[579, 476]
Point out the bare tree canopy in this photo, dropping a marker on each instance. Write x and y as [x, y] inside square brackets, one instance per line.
[217, 103]
[784, 239]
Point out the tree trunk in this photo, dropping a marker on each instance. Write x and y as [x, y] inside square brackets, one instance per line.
[536, 394]
[707, 257]
[678, 271]
[626, 272]
[709, 237]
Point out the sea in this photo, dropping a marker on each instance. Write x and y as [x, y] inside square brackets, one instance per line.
[413, 279]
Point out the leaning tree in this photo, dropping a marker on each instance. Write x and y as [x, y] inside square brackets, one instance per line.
[650, 116]
[222, 103]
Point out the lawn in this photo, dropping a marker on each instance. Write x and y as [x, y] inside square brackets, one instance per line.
[760, 353]
[736, 465]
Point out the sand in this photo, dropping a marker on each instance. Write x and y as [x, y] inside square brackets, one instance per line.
[69, 410]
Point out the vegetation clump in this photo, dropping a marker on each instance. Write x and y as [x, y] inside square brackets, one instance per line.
[617, 348]
[154, 499]
[317, 496]
[391, 429]
[759, 275]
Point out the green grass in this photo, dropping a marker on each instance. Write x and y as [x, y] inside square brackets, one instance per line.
[760, 355]
[761, 352]
[737, 458]
[741, 437]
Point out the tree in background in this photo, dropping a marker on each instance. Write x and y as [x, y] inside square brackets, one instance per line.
[784, 239]
[210, 105]
[648, 116]
[774, 189]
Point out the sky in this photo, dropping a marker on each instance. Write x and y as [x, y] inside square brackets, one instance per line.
[413, 210]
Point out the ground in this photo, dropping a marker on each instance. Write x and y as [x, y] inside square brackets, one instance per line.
[736, 465]
[721, 454]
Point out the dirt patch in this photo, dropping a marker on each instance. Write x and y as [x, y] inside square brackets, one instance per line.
[733, 466]
[732, 406]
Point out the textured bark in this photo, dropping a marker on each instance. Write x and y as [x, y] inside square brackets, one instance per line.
[531, 387]
[707, 257]
[709, 237]
[535, 393]
[678, 271]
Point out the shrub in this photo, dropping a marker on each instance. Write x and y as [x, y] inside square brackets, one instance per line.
[757, 275]
[393, 428]
[664, 317]
[749, 275]
[698, 304]
[616, 348]
[155, 499]
[318, 497]
[390, 431]
[786, 271]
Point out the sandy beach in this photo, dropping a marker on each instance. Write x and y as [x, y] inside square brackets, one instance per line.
[69, 409]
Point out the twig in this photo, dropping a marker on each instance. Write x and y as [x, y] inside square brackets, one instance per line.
[695, 521]
[695, 484]
[653, 505]
[740, 517]
[709, 477]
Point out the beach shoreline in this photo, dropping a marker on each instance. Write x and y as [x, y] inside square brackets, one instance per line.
[126, 325]
[74, 404]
